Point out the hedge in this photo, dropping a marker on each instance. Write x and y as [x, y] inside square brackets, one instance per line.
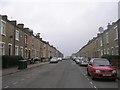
[10, 60]
[114, 59]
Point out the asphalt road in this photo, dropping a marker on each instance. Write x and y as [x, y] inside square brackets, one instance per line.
[65, 74]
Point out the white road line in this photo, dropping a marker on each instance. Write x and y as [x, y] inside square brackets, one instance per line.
[88, 79]
[15, 83]
[91, 83]
[95, 87]
[6, 87]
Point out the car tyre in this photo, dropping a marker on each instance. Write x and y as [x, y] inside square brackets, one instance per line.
[114, 79]
[88, 73]
[92, 77]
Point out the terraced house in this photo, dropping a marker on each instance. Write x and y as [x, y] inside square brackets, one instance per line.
[106, 43]
[15, 39]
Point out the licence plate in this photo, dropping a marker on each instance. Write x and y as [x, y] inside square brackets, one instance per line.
[106, 74]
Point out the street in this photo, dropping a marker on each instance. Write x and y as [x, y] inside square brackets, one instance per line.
[64, 74]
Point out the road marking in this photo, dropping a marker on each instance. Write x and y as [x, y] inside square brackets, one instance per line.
[95, 87]
[6, 87]
[88, 79]
[15, 83]
[91, 83]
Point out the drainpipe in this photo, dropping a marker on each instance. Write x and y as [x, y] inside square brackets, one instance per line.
[118, 52]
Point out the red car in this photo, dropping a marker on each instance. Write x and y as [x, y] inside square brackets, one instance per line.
[101, 68]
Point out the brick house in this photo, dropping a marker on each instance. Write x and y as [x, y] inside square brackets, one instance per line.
[106, 43]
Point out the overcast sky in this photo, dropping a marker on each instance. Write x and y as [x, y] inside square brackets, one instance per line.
[66, 24]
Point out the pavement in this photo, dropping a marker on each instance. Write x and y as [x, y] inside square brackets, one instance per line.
[12, 70]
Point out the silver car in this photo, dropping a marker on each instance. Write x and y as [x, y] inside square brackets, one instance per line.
[84, 61]
[54, 60]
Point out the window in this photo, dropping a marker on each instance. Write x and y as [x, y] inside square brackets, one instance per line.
[116, 32]
[112, 50]
[2, 29]
[16, 50]
[17, 35]
[108, 51]
[107, 38]
[105, 51]
[25, 39]
[101, 62]
[10, 49]
[25, 52]
[101, 42]
[21, 51]
[2, 48]
[101, 52]
[116, 50]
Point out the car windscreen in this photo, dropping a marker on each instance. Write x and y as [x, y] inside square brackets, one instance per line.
[85, 59]
[101, 62]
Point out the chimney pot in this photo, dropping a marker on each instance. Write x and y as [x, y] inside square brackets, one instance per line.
[4, 17]
[13, 22]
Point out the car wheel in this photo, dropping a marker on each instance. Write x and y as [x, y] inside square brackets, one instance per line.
[92, 77]
[88, 73]
[114, 79]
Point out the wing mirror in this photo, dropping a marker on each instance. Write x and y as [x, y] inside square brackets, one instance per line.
[90, 64]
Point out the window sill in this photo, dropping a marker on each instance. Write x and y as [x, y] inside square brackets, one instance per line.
[3, 34]
[115, 39]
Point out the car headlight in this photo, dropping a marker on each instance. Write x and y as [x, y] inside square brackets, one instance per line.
[97, 71]
[114, 71]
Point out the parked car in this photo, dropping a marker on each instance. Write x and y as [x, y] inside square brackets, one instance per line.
[54, 60]
[84, 61]
[59, 59]
[101, 68]
[77, 60]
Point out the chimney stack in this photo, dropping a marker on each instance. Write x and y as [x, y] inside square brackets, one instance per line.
[21, 26]
[4, 17]
[13, 22]
[109, 26]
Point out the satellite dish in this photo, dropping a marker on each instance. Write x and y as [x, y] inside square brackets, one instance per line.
[101, 29]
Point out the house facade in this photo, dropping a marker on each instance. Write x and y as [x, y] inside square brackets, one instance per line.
[106, 43]
[15, 39]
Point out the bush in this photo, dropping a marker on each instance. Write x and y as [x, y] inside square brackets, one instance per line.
[10, 60]
[114, 59]
[111, 56]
